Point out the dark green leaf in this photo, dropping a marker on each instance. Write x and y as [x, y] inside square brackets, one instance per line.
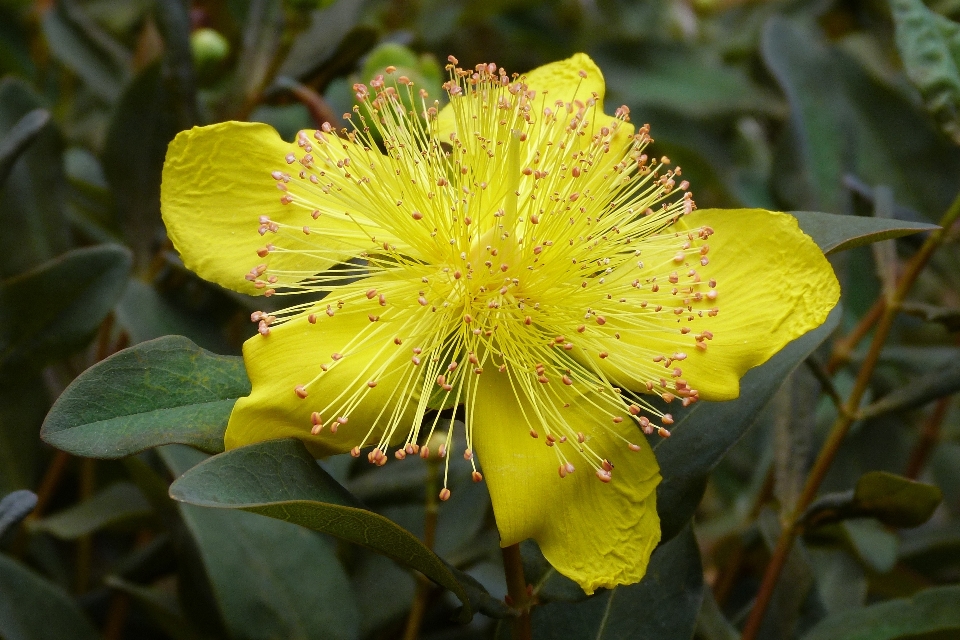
[316, 45]
[709, 430]
[23, 403]
[78, 42]
[893, 500]
[159, 392]
[930, 611]
[917, 392]
[120, 503]
[55, 309]
[549, 585]
[173, 19]
[684, 83]
[146, 314]
[271, 579]
[14, 507]
[663, 605]
[834, 233]
[282, 480]
[148, 114]
[32, 197]
[842, 119]
[17, 139]
[162, 608]
[31, 608]
[794, 585]
[949, 318]
[929, 45]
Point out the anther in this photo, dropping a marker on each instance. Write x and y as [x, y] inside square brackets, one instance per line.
[300, 391]
[467, 454]
[604, 475]
[477, 476]
[444, 494]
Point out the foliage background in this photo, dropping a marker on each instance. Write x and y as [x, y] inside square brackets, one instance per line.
[817, 105]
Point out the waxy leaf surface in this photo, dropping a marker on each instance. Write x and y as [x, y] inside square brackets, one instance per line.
[280, 479]
[160, 392]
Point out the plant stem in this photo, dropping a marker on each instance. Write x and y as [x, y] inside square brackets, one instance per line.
[845, 419]
[517, 592]
[929, 438]
[424, 587]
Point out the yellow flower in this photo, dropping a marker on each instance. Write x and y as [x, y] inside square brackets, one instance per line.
[516, 254]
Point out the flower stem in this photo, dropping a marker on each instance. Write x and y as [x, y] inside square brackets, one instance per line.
[793, 526]
[517, 592]
[424, 586]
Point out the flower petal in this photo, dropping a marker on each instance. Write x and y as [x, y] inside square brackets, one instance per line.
[217, 183]
[599, 535]
[292, 355]
[560, 80]
[773, 285]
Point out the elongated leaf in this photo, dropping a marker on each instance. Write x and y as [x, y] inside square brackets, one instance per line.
[663, 605]
[931, 611]
[14, 507]
[834, 233]
[271, 579]
[161, 608]
[918, 392]
[929, 45]
[55, 309]
[159, 392]
[31, 608]
[82, 46]
[32, 209]
[893, 500]
[19, 138]
[146, 113]
[119, 503]
[710, 429]
[949, 318]
[281, 479]
[841, 123]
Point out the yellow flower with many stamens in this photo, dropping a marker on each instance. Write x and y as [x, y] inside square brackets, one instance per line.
[516, 254]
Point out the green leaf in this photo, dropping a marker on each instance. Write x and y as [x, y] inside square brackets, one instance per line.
[160, 392]
[834, 233]
[79, 43]
[918, 392]
[929, 46]
[271, 579]
[33, 195]
[949, 318]
[162, 608]
[282, 480]
[19, 137]
[931, 611]
[55, 309]
[146, 314]
[23, 403]
[841, 122]
[148, 114]
[14, 507]
[663, 605]
[893, 500]
[704, 435]
[119, 504]
[688, 84]
[31, 608]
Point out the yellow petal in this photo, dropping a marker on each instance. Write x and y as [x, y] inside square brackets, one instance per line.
[773, 285]
[292, 355]
[597, 534]
[217, 183]
[559, 80]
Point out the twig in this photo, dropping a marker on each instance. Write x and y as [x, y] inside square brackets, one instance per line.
[929, 438]
[517, 592]
[424, 587]
[792, 527]
[826, 383]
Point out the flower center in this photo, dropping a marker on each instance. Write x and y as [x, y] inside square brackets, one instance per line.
[530, 239]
